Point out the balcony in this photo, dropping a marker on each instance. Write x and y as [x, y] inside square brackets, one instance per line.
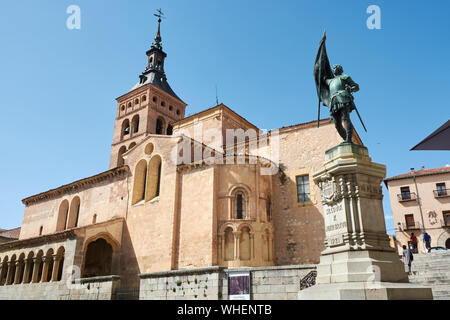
[441, 193]
[411, 226]
[406, 196]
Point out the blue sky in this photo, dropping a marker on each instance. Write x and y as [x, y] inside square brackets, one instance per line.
[58, 86]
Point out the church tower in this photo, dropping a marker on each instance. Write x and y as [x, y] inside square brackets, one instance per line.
[150, 107]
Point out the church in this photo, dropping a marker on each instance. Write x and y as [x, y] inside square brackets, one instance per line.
[184, 199]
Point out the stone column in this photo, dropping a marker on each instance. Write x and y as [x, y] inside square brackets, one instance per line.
[26, 273]
[236, 245]
[36, 263]
[358, 262]
[56, 267]
[252, 239]
[222, 246]
[46, 261]
[9, 274]
[19, 267]
[2, 270]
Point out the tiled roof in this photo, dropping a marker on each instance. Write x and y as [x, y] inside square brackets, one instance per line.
[11, 234]
[418, 173]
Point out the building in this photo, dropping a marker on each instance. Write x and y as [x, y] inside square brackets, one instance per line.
[9, 235]
[178, 195]
[420, 202]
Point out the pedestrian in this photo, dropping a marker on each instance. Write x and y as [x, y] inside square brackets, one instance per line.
[427, 239]
[407, 258]
[414, 242]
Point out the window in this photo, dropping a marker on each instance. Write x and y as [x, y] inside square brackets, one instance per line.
[170, 108]
[409, 219]
[136, 101]
[446, 215]
[159, 126]
[120, 160]
[440, 189]
[154, 99]
[144, 98]
[61, 223]
[268, 210]
[240, 204]
[40, 230]
[406, 194]
[169, 130]
[303, 194]
[125, 128]
[178, 112]
[135, 123]
[163, 104]
[94, 219]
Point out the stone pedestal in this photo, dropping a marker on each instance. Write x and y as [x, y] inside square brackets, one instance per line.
[358, 262]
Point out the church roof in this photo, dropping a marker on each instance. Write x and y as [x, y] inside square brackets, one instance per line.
[10, 234]
[160, 82]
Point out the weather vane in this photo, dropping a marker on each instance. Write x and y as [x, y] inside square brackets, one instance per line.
[159, 14]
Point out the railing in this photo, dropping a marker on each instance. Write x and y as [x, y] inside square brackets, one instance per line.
[411, 226]
[442, 193]
[407, 196]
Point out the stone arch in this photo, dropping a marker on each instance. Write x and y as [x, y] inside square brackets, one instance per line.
[132, 145]
[20, 269]
[229, 244]
[245, 243]
[98, 258]
[61, 223]
[48, 266]
[240, 203]
[4, 270]
[140, 177]
[160, 125]
[135, 124]
[153, 178]
[11, 270]
[120, 159]
[74, 213]
[443, 238]
[29, 267]
[125, 129]
[59, 264]
[38, 266]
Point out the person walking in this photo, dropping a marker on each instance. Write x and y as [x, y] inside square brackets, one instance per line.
[407, 258]
[427, 239]
[414, 242]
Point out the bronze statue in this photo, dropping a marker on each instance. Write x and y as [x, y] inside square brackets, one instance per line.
[334, 90]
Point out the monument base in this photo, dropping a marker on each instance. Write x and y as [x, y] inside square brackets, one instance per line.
[366, 291]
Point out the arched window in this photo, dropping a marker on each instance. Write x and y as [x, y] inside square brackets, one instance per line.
[59, 263]
[30, 263]
[40, 230]
[125, 128]
[140, 177]
[268, 209]
[74, 213]
[169, 130]
[39, 265]
[98, 259]
[135, 124]
[61, 223]
[47, 277]
[120, 160]
[159, 126]
[153, 178]
[4, 271]
[144, 98]
[136, 101]
[240, 204]
[21, 269]
[11, 271]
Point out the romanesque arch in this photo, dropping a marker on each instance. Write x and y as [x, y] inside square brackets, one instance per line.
[98, 259]
[4, 270]
[229, 244]
[120, 160]
[245, 244]
[74, 213]
[140, 177]
[62, 216]
[125, 129]
[160, 123]
[240, 203]
[135, 124]
[153, 178]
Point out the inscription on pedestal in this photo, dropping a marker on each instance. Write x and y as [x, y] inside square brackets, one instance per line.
[335, 223]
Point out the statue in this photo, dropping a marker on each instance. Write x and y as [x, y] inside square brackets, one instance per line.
[334, 89]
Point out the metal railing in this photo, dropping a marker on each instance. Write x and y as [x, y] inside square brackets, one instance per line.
[441, 193]
[411, 226]
[407, 196]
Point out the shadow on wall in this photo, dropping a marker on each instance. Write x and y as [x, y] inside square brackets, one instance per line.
[129, 269]
[299, 228]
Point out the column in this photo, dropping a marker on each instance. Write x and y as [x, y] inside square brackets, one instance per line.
[222, 246]
[46, 261]
[36, 263]
[236, 244]
[251, 245]
[19, 267]
[9, 274]
[2, 270]
[56, 267]
[26, 273]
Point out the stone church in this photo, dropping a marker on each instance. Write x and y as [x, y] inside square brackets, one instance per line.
[206, 192]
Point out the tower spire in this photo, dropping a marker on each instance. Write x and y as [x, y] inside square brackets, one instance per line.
[157, 43]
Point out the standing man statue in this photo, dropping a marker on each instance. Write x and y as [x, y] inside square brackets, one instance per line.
[334, 89]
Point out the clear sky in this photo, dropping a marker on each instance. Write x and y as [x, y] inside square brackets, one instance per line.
[58, 86]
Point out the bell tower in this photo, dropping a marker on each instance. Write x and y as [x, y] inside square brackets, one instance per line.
[150, 107]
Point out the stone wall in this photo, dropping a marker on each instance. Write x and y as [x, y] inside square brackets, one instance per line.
[277, 283]
[98, 288]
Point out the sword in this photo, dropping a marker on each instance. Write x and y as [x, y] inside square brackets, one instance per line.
[357, 112]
